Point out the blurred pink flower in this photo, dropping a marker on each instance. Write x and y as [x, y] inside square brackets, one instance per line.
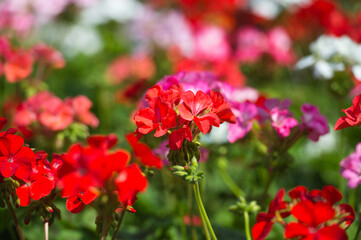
[81, 106]
[314, 123]
[57, 118]
[280, 46]
[351, 167]
[251, 44]
[53, 113]
[211, 44]
[245, 113]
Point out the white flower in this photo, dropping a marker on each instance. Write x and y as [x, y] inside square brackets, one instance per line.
[331, 54]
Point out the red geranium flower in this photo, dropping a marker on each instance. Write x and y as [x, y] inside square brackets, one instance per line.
[311, 222]
[15, 159]
[265, 220]
[353, 115]
[197, 108]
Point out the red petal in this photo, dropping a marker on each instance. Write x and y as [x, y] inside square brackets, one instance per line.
[129, 182]
[74, 204]
[206, 121]
[104, 141]
[176, 137]
[185, 112]
[89, 196]
[143, 152]
[294, 230]
[261, 229]
[2, 123]
[331, 194]
[23, 193]
[341, 123]
[331, 233]
[298, 192]
[303, 211]
[8, 169]
[25, 159]
[152, 93]
[349, 213]
[201, 102]
[41, 187]
[322, 213]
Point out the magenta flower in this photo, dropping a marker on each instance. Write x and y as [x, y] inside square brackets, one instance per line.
[245, 113]
[351, 167]
[314, 123]
[282, 121]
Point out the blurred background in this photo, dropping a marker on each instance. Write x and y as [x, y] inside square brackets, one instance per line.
[112, 51]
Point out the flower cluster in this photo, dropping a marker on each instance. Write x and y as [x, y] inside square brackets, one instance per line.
[17, 64]
[315, 215]
[93, 170]
[181, 114]
[54, 114]
[322, 17]
[28, 176]
[249, 107]
[41, 181]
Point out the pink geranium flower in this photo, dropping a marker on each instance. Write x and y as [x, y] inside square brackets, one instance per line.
[313, 122]
[245, 113]
[351, 167]
[282, 121]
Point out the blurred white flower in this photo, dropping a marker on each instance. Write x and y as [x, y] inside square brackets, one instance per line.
[330, 54]
[270, 9]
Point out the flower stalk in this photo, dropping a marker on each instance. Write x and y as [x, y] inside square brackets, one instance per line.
[202, 211]
[15, 219]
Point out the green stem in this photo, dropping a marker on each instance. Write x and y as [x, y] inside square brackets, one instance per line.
[190, 212]
[268, 184]
[118, 224]
[202, 211]
[105, 227]
[16, 222]
[246, 225]
[358, 230]
[231, 184]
